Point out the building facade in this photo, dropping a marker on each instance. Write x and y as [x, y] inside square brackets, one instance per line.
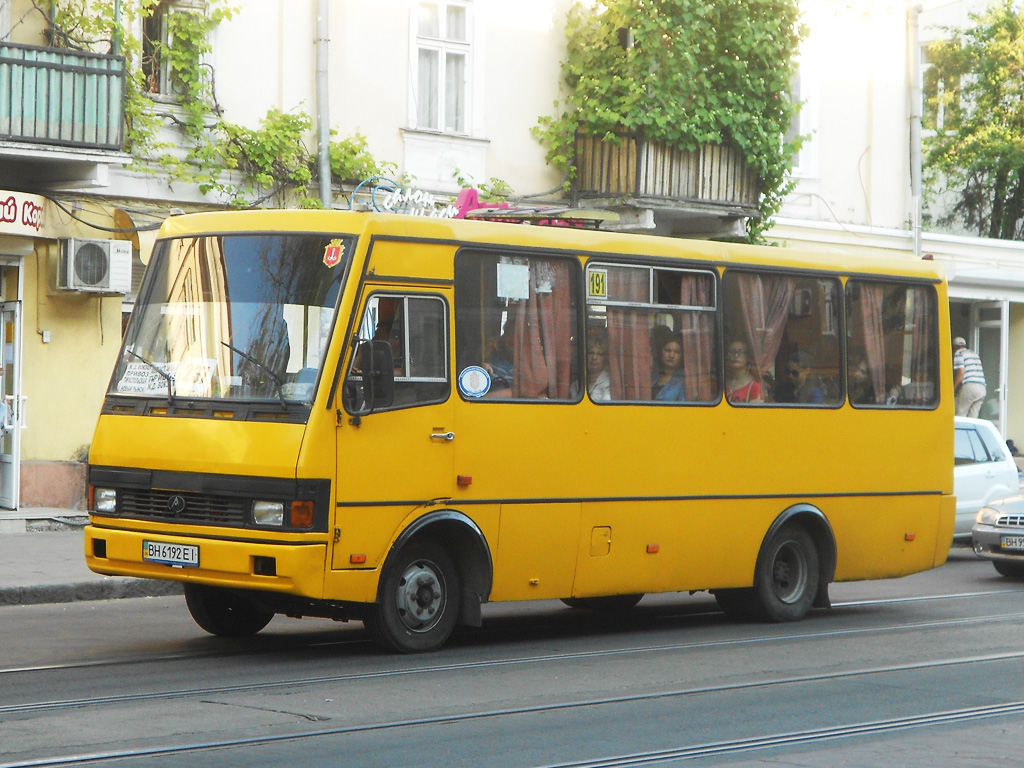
[446, 94]
[861, 70]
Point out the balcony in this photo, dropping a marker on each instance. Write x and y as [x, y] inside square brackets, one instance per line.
[653, 185]
[61, 115]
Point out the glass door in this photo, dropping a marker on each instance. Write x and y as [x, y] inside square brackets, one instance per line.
[991, 342]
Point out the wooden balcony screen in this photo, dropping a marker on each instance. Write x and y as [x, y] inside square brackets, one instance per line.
[638, 168]
[60, 97]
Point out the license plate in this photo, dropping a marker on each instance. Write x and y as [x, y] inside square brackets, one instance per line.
[1011, 542]
[179, 555]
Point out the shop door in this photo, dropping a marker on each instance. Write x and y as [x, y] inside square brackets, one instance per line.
[989, 321]
[11, 405]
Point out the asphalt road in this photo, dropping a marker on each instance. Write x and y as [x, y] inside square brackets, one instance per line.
[920, 671]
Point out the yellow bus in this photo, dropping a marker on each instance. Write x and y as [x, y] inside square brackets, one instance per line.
[397, 419]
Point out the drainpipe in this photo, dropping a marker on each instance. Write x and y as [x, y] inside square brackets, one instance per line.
[917, 201]
[116, 44]
[322, 111]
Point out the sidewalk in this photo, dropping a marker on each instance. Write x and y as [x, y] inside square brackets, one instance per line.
[42, 560]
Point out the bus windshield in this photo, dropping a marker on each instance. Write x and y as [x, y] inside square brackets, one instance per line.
[233, 317]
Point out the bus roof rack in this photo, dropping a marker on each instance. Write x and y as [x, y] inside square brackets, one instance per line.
[553, 216]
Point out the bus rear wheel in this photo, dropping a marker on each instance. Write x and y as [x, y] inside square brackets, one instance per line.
[609, 604]
[786, 576]
[418, 605]
[225, 612]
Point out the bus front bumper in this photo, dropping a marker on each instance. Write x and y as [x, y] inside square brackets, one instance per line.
[288, 568]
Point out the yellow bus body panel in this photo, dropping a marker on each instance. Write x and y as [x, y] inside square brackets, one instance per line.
[572, 499]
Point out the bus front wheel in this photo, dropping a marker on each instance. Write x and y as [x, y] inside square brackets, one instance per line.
[418, 605]
[786, 576]
[224, 612]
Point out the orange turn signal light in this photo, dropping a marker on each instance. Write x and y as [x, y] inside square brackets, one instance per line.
[301, 514]
[357, 559]
[652, 549]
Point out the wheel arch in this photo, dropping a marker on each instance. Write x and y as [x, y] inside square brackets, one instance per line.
[814, 521]
[467, 546]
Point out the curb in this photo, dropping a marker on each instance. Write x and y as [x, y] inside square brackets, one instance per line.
[87, 591]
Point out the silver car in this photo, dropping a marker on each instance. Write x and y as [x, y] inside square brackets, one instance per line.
[998, 535]
[983, 471]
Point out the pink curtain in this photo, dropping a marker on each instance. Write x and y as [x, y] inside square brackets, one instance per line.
[765, 301]
[872, 297]
[922, 348]
[629, 336]
[698, 333]
[542, 355]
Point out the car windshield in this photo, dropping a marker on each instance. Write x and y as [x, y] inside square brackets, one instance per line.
[233, 317]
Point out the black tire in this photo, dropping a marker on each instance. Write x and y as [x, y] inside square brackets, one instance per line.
[736, 603]
[609, 604]
[418, 606]
[1009, 570]
[786, 576]
[225, 612]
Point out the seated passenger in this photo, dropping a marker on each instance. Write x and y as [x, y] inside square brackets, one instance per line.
[598, 382]
[862, 389]
[740, 384]
[499, 365]
[667, 377]
[801, 385]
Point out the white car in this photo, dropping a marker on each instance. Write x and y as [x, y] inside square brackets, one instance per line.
[983, 471]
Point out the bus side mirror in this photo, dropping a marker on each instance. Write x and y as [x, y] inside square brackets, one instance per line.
[378, 373]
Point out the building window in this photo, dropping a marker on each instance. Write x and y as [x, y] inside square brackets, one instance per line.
[442, 66]
[941, 97]
[158, 39]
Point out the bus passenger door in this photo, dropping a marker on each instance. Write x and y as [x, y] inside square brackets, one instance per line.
[394, 455]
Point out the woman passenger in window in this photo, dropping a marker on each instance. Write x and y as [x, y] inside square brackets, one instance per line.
[598, 382]
[667, 377]
[740, 384]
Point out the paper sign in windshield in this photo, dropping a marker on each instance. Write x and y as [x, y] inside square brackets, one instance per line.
[191, 378]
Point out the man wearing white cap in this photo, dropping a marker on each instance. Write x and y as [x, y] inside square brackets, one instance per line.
[968, 379]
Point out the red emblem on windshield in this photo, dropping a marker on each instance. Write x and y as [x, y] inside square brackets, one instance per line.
[333, 253]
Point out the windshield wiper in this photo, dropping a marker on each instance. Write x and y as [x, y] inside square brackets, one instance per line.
[165, 374]
[278, 384]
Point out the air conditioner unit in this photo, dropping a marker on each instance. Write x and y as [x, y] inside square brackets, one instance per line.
[98, 266]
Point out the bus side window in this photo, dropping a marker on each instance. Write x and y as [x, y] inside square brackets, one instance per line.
[516, 335]
[893, 340]
[789, 327]
[416, 328]
[661, 334]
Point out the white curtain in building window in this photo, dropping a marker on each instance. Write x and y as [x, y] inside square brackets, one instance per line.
[443, 60]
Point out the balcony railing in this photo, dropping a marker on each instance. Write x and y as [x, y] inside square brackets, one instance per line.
[658, 172]
[60, 97]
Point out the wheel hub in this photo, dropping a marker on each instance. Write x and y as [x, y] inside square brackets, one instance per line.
[420, 597]
[789, 574]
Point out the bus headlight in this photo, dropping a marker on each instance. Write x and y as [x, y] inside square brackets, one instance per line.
[104, 500]
[987, 516]
[268, 513]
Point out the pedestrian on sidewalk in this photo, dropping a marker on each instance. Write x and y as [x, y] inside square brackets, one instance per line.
[968, 379]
